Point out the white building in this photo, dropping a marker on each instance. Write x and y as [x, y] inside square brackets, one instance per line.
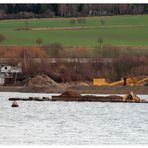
[2, 79]
[5, 68]
[8, 72]
[10, 69]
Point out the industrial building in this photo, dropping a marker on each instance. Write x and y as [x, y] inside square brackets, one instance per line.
[8, 72]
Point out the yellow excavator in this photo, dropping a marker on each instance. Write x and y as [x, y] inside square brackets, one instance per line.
[142, 81]
[130, 81]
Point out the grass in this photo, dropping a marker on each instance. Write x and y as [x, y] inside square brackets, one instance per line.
[134, 35]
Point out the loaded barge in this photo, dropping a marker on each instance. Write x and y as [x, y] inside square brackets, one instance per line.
[73, 96]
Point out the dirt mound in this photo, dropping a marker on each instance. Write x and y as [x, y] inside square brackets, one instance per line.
[42, 81]
[70, 94]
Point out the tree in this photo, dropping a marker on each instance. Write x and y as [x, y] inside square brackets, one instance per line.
[85, 10]
[2, 37]
[39, 41]
[102, 22]
[62, 9]
[26, 24]
[100, 41]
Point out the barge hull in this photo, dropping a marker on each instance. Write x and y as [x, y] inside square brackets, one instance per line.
[113, 99]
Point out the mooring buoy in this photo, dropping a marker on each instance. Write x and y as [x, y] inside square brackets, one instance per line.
[14, 104]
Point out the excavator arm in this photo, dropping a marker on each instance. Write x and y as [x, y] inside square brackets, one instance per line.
[129, 81]
[141, 81]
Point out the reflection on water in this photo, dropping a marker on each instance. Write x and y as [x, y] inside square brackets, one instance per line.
[72, 122]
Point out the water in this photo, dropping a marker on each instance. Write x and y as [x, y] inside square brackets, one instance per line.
[72, 122]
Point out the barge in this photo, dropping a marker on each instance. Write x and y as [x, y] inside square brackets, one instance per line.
[73, 96]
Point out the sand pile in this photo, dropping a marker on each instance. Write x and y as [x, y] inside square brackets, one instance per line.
[42, 81]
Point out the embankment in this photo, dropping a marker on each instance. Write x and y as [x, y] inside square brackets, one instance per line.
[82, 89]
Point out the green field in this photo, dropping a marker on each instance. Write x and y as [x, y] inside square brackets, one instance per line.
[117, 30]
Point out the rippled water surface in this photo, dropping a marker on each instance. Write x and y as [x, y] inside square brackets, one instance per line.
[72, 122]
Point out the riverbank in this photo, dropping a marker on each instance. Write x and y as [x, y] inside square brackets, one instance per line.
[80, 89]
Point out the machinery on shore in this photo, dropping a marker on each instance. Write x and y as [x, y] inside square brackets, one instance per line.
[126, 81]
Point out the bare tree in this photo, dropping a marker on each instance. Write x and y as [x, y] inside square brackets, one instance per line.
[23, 55]
[54, 49]
[62, 9]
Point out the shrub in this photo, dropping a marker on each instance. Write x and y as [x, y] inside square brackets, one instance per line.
[81, 21]
[102, 22]
[2, 37]
[39, 41]
[54, 49]
[22, 28]
[72, 22]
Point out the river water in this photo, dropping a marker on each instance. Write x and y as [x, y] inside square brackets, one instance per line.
[72, 122]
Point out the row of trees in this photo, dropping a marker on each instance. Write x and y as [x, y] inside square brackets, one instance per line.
[11, 11]
[64, 72]
[122, 65]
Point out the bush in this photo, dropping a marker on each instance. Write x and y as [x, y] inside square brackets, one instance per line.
[53, 49]
[22, 28]
[47, 14]
[72, 22]
[102, 22]
[39, 41]
[81, 21]
[2, 37]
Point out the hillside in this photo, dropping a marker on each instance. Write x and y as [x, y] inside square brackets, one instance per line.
[113, 30]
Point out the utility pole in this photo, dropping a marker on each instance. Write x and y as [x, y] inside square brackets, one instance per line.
[100, 9]
[15, 78]
[24, 59]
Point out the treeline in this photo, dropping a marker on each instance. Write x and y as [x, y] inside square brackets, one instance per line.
[18, 11]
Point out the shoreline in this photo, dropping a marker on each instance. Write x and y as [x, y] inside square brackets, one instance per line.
[141, 90]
